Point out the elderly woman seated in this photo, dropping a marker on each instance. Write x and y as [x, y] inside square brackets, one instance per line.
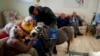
[5, 31]
[27, 25]
[62, 20]
[15, 46]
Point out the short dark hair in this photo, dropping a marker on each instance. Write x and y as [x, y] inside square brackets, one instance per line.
[31, 8]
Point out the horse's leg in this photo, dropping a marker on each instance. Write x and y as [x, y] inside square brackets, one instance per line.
[51, 46]
[50, 54]
[68, 46]
[62, 49]
[51, 50]
[54, 50]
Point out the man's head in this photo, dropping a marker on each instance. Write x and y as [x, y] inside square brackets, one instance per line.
[62, 15]
[74, 13]
[33, 10]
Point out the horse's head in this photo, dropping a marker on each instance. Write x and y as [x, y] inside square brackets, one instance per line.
[42, 31]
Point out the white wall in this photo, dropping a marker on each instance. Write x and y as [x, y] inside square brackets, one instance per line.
[56, 6]
[98, 7]
[21, 7]
[3, 6]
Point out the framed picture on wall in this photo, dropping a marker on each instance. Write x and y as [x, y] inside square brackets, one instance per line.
[76, 3]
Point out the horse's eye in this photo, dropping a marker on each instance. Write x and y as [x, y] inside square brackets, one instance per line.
[38, 28]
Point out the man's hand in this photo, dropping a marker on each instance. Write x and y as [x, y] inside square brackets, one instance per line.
[33, 38]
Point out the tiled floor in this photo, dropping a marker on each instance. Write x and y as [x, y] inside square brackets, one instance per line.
[85, 44]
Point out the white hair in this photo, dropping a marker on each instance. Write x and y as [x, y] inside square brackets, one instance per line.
[12, 33]
[8, 26]
[40, 24]
[28, 18]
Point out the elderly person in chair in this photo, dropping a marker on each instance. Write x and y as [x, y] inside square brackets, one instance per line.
[76, 21]
[27, 25]
[62, 20]
[15, 46]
